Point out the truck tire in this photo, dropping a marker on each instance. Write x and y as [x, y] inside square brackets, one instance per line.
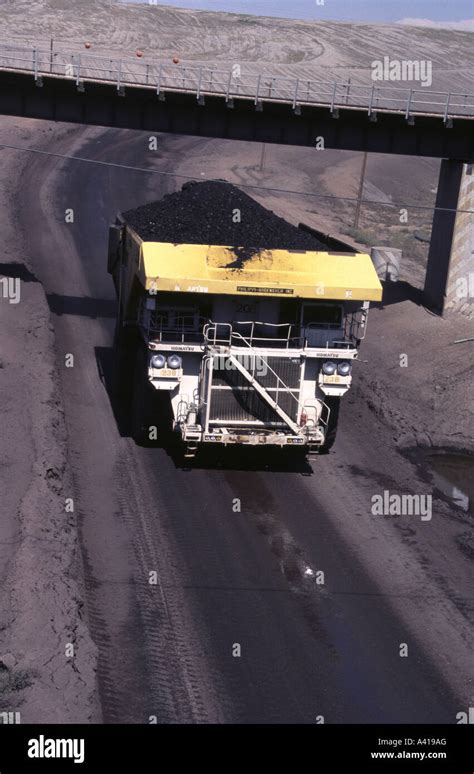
[331, 432]
[125, 349]
[140, 408]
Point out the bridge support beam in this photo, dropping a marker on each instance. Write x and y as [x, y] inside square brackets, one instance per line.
[449, 281]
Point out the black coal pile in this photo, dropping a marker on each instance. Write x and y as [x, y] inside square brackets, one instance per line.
[216, 213]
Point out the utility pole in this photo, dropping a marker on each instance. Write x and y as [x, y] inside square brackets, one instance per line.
[262, 158]
[361, 188]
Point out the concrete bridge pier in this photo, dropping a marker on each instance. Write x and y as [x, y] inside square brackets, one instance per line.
[449, 281]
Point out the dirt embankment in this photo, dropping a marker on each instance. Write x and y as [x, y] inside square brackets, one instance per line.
[47, 658]
[416, 377]
[319, 50]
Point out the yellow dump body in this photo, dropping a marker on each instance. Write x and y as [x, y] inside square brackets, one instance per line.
[189, 268]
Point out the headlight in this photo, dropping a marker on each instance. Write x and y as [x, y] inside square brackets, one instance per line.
[329, 367]
[158, 361]
[174, 362]
[344, 368]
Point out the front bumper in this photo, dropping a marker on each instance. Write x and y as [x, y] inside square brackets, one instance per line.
[245, 438]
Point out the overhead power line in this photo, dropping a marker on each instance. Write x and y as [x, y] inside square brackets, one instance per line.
[250, 186]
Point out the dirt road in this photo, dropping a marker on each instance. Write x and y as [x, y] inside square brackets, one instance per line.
[227, 577]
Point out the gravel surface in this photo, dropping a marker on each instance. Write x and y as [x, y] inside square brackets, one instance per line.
[203, 213]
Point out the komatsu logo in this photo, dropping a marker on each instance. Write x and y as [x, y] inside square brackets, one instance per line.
[56, 748]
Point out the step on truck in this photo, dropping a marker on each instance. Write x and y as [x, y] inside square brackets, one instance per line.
[235, 345]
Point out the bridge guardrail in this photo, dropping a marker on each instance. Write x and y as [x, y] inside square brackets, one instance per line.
[202, 81]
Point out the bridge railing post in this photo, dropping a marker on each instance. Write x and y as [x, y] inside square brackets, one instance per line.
[160, 75]
[119, 76]
[446, 108]
[371, 103]
[348, 90]
[410, 97]
[257, 93]
[295, 95]
[229, 82]
[199, 84]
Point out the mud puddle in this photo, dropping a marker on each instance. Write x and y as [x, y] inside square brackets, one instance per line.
[453, 475]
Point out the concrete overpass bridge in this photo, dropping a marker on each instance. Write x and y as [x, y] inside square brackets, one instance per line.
[210, 102]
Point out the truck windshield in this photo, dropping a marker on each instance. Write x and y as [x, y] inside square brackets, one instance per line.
[322, 314]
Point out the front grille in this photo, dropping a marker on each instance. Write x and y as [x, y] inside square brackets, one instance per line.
[234, 399]
[246, 405]
[288, 369]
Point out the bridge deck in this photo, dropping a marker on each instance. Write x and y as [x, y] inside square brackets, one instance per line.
[202, 81]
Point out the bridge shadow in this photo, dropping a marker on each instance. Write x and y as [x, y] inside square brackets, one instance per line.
[397, 293]
[207, 458]
[83, 306]
[17, 271]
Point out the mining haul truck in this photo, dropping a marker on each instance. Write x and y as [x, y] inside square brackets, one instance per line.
[237, 345]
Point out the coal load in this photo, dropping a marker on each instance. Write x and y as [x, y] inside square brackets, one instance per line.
[217, 213]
